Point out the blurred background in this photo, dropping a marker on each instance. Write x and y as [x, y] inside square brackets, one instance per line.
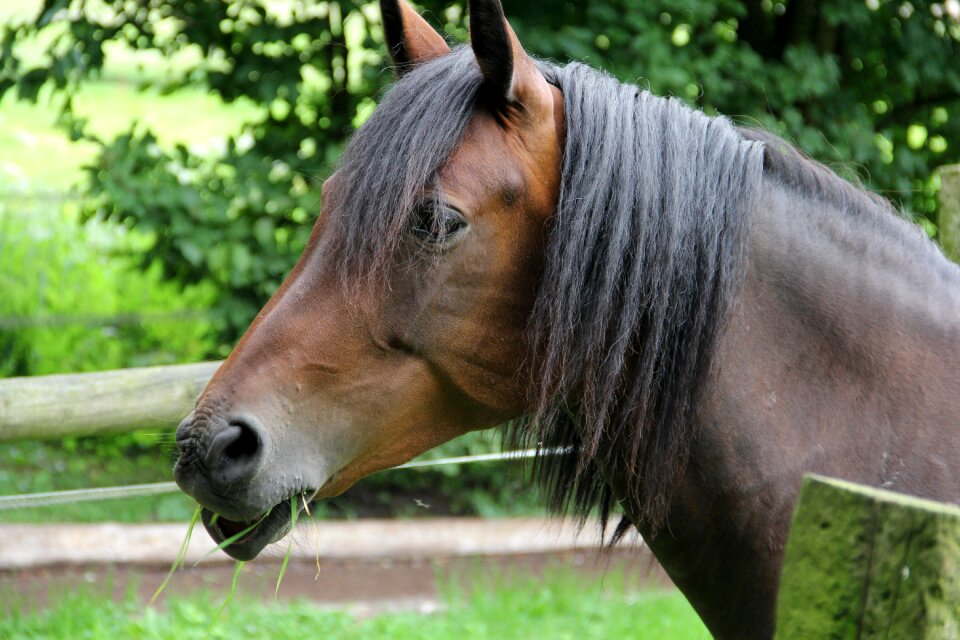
[160, 164]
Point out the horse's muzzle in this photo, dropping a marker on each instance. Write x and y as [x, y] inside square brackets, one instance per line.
[219, 458]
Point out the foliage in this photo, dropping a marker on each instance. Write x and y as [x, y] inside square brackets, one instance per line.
[70, 305]
[238, 220]
[563, 605]
[869, 87]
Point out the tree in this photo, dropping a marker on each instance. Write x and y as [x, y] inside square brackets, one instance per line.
[870, 88]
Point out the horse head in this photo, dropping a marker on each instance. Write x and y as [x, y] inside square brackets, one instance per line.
[404, 322]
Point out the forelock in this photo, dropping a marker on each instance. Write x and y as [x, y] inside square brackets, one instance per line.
[396, 157]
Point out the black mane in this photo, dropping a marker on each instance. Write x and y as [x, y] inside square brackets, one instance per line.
[645, 255]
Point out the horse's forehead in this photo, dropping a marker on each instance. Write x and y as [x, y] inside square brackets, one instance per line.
[488, 159]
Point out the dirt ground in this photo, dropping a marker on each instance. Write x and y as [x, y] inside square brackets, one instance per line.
[364, 586]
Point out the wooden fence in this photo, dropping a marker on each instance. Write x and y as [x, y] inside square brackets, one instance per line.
[45, 407]
[864, 563]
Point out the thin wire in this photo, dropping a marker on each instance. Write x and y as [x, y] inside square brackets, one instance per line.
[51, 498]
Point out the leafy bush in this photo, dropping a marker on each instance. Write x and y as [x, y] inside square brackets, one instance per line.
[71, 304]
[868, 87]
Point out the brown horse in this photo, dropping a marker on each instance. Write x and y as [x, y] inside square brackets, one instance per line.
[699, 313]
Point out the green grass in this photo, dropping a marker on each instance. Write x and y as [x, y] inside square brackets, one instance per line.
[19, 10]
[29, 467]
[560, 606]
[35, 154]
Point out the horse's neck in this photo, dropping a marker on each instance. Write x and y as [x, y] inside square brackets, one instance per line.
[839, 358]
[844, 344]
[859, 282]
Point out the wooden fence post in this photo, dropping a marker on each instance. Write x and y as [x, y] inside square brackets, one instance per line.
[85, 404]
[949, 218]
[864, 563]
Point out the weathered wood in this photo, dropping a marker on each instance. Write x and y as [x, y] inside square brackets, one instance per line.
[949, 216]
[44, 407]
[864, 563]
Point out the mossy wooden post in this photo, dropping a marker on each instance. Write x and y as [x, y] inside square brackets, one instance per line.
[863, 563]
[87, 404]
[949, 217]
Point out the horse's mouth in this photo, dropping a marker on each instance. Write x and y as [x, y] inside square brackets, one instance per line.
[251, 536]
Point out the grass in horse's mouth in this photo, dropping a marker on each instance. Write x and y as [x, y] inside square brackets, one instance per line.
[235, 530]
[232, 531]
[238, 532]
[294, 511]
[181, 554]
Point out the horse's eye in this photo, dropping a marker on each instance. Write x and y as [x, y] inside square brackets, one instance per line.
[436, 224]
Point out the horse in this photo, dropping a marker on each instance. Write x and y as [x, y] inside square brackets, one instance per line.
[697, 313]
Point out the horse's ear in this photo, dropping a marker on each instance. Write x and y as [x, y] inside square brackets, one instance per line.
[507, 70]
[410, 39]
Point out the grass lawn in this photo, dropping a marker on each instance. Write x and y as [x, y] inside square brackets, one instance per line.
[560, 606]
[36, 155]
[19, 10]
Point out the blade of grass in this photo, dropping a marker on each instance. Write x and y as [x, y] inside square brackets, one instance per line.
[233, 538]
[181, 555]
[316, 530]
[233, 591]
[286, 558]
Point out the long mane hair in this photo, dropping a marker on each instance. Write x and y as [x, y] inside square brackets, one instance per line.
[645, 254]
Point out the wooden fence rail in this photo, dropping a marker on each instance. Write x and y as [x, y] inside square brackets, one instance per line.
[45, 407]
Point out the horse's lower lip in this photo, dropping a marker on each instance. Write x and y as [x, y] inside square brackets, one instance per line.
[263, 530]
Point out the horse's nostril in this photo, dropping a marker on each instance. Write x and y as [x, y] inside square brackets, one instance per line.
[234, 453]
[246, 444]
